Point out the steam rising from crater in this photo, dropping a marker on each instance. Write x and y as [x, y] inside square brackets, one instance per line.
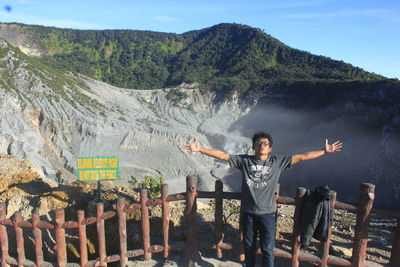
[236, 143]
[366, 156]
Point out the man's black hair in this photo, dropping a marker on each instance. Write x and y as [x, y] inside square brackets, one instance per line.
[260, 135]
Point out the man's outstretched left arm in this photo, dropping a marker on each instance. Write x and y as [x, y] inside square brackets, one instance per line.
[329, 148]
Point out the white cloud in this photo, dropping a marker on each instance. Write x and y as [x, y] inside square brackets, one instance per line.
[165, 19]
[10, 17]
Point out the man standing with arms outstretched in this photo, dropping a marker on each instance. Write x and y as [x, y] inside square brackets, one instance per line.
[260, 173]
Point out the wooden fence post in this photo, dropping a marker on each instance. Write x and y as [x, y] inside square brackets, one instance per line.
[165, 218]
[82, 237]
[101, 236]
[37, 233]
[395, 254]
[61, 247]
[367, 195]
[192, 249]
[145, 223]
[19, 235]
[3, 236]
[122, 232]
[218, 217]
[325, 245]
[296, 226]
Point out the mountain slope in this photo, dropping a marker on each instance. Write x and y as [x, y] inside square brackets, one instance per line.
[223, 56]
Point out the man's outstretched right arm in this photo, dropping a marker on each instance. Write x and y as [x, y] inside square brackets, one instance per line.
[215, 153]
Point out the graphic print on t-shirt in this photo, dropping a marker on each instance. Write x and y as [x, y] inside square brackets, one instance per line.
[258, 176]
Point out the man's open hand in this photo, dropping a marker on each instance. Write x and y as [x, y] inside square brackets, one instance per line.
[330, 148]
[192, 146]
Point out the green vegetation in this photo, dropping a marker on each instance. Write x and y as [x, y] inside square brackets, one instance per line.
[154, 109]
[175, 96]
[148, 121]
[122, 119]
[153, 184]
[231, 209]
[3, 52]
[223, 57]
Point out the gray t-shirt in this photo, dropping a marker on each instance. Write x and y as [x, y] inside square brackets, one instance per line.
[259, 180]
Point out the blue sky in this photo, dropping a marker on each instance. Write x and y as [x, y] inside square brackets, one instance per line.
[364, 33]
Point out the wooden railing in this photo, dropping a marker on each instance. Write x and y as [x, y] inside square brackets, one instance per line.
[364, 209]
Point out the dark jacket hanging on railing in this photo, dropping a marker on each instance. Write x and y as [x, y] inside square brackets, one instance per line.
[316, 216]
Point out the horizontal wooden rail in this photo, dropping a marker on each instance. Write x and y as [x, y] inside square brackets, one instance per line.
[345, 206]
[286, 200]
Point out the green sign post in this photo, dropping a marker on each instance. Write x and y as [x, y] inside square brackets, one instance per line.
[98, 169]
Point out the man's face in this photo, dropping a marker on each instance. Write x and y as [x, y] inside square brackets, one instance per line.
[262, 147]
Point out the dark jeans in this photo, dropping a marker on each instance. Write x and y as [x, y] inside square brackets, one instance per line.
[264, 226]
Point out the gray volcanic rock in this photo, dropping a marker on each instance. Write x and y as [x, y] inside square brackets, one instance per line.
[16, 35]
[52, 118]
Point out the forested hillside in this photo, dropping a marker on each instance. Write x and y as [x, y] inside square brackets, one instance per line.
[225, 56]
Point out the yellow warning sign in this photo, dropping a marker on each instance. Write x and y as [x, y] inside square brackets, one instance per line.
[98, 168]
